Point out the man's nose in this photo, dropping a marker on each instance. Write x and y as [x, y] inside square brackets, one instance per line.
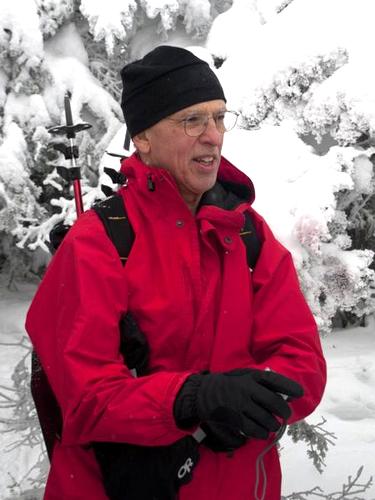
[211, 133]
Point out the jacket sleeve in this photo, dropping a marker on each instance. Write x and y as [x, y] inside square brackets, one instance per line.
[73, 323]
[285, 335]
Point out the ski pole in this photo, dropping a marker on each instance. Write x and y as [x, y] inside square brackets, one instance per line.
[70, 152]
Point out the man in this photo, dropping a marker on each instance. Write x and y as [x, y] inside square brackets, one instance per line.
[232, 350]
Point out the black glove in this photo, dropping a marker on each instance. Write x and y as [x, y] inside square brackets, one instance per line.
[133, 345]
[146, 473]
[56, 235]
[235, 405]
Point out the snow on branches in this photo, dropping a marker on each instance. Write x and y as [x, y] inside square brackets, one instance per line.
[317, 202]
[110, 21]
[17, 191]
[54, 47]
[289, 90]
[343, 105]
[296, 80]
[52, 15]
[116, 22]
[21, 48]
[285, 91]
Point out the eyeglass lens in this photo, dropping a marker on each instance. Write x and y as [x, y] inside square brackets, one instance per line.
[196, 124]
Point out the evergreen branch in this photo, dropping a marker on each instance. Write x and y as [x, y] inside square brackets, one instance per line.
[283, 5]
[317, 439]
[360, 205]
[350, 488]
[6, 389]
[23, 342]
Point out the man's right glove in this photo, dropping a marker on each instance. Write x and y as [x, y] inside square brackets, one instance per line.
[146, 472]
[134, 346]
[235, 406]
[134, 472]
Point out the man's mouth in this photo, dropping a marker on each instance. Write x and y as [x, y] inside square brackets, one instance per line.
[206, 161]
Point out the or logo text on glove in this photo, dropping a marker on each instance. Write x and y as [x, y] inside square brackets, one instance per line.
[185, 469]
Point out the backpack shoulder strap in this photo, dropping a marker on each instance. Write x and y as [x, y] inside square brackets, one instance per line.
[112, 213]
[251, 239]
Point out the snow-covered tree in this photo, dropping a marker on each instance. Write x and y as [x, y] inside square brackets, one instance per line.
[275, 71]
[298, 72]
[299, 84]
[34, 77]
[47, 49]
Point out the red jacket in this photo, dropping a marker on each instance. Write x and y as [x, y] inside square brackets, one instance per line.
[188, 286]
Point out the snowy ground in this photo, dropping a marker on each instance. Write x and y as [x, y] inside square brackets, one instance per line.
[13, 307]
[348, 407]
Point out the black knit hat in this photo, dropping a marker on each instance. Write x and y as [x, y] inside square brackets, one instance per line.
[166, 80]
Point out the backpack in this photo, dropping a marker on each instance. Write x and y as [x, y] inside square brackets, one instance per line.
[112, 213]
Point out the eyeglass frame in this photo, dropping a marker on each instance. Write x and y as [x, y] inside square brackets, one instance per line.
[204, 124]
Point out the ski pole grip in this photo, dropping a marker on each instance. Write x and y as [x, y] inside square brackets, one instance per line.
[68, 116]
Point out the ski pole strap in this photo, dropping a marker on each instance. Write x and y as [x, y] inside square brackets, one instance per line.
[260, 469]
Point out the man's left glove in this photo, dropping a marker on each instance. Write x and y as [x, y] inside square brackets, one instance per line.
[146, 473]
[234, 406]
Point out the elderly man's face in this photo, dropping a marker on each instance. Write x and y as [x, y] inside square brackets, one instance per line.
[193, 161]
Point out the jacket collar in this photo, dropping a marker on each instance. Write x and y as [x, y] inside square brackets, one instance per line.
[236, 182]
[232, 188]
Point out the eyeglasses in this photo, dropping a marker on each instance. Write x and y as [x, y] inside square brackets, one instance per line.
[196, 123]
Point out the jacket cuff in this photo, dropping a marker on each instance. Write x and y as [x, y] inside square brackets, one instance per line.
[185, 406]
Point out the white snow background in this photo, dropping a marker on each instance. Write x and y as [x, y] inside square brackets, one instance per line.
[290, 181]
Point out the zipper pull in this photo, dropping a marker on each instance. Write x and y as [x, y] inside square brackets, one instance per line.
[150, 183]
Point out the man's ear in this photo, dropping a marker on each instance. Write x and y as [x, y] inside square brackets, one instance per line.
[142, 142]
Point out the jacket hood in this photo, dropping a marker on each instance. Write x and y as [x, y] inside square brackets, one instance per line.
[233, 187]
